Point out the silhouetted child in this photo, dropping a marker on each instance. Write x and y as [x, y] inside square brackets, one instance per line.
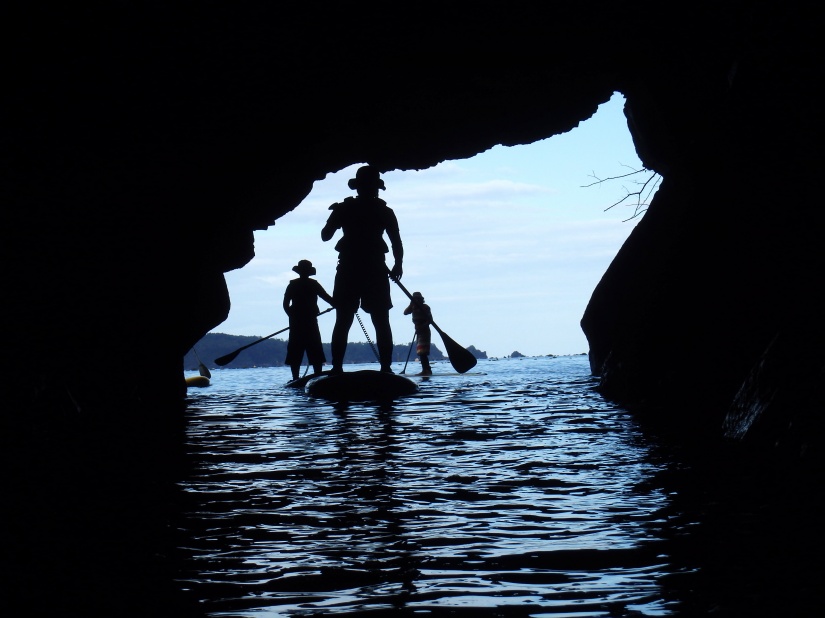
[301, 305]
[421, 317]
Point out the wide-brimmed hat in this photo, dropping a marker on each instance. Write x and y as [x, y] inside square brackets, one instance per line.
[304, 267]
[367, 177]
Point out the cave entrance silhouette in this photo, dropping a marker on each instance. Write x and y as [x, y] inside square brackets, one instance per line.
[507, 246]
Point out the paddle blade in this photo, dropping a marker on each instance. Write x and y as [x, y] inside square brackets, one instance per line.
[227, 358]
[204, 370]
[461, 359]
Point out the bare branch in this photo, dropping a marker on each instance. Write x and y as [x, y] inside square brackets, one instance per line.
[639, 198]
[601, 180]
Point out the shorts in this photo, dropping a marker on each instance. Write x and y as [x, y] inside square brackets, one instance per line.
[362, 284]
[304, 336]
[422, 333]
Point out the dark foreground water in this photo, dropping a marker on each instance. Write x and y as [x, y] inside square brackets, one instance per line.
[515, 490]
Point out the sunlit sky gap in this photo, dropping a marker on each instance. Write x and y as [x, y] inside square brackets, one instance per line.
[506, 247]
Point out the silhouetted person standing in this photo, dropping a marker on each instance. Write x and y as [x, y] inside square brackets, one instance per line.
[421, 317]
[301, 305]
[361, 276]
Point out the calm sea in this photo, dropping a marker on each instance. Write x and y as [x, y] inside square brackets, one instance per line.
[514, 490]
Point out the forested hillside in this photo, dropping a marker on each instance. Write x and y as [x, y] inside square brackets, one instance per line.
[271, 352]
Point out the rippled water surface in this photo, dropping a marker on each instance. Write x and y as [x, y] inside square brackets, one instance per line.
[515, 486]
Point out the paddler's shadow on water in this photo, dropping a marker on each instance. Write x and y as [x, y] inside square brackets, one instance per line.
[364, 495]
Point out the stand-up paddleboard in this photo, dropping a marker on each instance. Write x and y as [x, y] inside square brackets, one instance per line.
[302, 381]
[197, 381]
[364, 385]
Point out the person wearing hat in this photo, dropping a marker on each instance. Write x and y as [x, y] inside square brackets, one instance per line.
[301, 305]
[421, 317]
[361, 276]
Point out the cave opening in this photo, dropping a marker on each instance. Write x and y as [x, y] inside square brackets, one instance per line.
[506, 246]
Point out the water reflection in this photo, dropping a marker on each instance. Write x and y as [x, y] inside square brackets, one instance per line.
[515, 493]
[520, 488]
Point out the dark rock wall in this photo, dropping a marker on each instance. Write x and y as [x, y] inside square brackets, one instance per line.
[145, 142]
[724, 269]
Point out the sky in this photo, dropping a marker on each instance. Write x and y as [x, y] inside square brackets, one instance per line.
[506, 247]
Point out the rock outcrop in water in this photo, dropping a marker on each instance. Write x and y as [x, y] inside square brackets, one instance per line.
[144, 145]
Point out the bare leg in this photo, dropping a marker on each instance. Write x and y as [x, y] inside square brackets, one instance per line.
[426, 370]
[383, 338]
[340, 332]
[296, 370]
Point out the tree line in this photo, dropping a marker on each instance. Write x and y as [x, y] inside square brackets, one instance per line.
[271, 353]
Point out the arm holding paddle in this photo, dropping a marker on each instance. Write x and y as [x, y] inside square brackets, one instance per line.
[228, 358]
[397, 250]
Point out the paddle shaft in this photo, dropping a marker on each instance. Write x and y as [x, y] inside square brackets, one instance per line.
[461, 359]
[410, 296]
[228, 358]
[415, 336]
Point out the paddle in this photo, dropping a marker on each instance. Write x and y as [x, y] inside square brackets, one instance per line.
[202, 369]
[461, 359]
[228, 358]
[415, 336]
